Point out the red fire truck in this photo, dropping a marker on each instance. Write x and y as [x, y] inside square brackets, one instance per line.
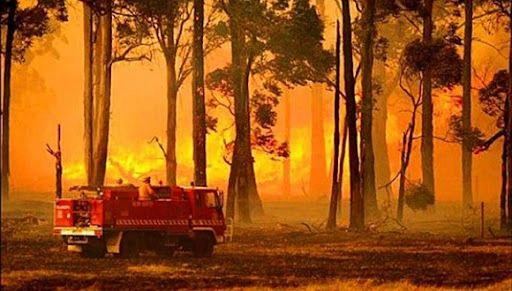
[113, 220]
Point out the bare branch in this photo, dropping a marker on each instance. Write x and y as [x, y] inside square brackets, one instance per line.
[124, 55]
[406, 91]
[487, 13]
[390, 182]
[490, 141]
[443, 139]
[502, 7]
[498, 50]
[408, 19]
[155, 139]
[181, 28]
[185, 67]
[228, 106]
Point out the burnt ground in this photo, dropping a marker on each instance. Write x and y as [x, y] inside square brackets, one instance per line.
[267, 255]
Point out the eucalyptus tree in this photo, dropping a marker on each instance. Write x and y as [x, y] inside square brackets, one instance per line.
[281, 42]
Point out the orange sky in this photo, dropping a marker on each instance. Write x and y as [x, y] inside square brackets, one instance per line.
[49, 91]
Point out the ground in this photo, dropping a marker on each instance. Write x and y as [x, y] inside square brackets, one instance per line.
[276, 252]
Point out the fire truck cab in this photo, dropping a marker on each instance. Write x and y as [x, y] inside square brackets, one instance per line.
[113, 220]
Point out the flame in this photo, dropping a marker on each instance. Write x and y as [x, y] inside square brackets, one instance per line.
[48, 90]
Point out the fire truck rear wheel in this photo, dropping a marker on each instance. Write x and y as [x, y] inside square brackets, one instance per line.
[203, 245]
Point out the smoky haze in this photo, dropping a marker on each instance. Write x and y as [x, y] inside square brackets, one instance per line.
[48, 90]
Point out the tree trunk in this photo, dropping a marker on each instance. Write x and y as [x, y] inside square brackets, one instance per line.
[318, 182]
[170, 49]
[368, 160]
[407, 141]
[88, 93]
[172, 98]
[318, 178]
[401, 189]
[427, 128]
[97, 71]
[356, 197]
[58, 167]
[508, 135]
[379, 129]
[503, 192]
[231, 193]
[467, 143]
[247, 174]
[255, 203]
[11, 27]
[199, 131]
[238, 182]
[331, 220]
[287, 135]
[100, 140]
[342, 164]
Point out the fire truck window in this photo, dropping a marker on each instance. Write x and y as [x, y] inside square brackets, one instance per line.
[209, 199]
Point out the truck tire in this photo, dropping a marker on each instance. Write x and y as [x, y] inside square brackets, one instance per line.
[203, 245]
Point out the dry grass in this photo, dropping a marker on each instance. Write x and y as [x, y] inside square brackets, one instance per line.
[275, 253]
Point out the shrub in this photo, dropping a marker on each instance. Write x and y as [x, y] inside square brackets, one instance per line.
[417, 196]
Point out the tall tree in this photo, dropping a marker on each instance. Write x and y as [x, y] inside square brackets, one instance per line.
[199, 119]
[356, 197]
[367, 155]
[407, 138]
[508, 134]
[167, 21]
[6, 101]
[379, 128]
[336, 189]
[427, 127]
[107, 40]
[88, 91]
[268, 40]
[242, 156]
[493, 98]
[24, 26]
[467, 147]
[102, 100]
[318, 182]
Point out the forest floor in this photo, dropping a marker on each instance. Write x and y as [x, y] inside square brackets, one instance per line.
[282, 251]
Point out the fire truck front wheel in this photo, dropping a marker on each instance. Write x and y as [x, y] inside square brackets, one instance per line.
[203, 244]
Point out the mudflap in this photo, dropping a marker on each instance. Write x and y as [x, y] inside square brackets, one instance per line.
[113, 240]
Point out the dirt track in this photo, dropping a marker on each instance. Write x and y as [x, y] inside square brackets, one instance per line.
[267, 256]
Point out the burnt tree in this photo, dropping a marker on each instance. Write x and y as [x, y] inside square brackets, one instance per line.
[427, 127]
[335, 190]
[356, 197]
[467, 146]
[199, 109]
[367, 154]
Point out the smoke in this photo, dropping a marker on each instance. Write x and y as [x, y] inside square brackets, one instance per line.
[49, 90]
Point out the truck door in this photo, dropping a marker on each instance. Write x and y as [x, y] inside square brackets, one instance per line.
[206, 206]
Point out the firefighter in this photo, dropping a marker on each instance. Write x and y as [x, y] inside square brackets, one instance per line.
[146, 192]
